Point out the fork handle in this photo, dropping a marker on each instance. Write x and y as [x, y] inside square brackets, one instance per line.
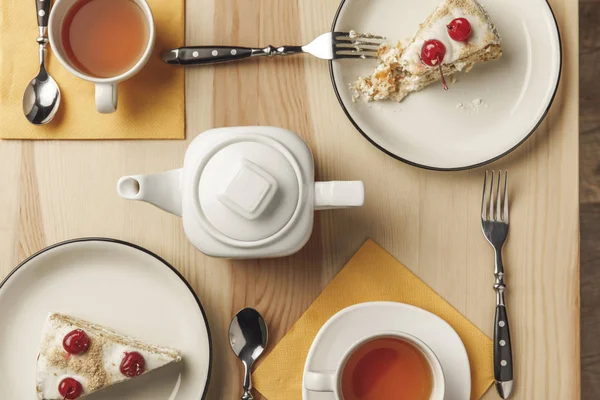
[43, 12]
[503, 362]
[205, 55]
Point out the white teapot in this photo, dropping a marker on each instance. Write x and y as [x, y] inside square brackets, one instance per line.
[244, 192]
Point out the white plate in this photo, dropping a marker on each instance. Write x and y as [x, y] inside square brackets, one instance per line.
[352, 323]
[116, 284]
[427, 129]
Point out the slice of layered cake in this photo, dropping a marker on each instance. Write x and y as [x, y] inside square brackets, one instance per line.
[78, 358]
[455, 37]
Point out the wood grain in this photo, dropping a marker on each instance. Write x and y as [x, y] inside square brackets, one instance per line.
[54, 191]
[590, 312]
[590, 197]
[590, 102]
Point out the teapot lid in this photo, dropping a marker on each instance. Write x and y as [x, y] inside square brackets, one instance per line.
[250, 190]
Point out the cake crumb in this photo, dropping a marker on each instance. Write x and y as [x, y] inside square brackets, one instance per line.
[471, 106]
[476, 104]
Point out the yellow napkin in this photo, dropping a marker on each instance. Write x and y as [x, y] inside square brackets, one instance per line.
[371, 275]
[151, 104]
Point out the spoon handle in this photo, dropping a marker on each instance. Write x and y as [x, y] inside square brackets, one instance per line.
[247, 395]
[43, 12]
[247, 383]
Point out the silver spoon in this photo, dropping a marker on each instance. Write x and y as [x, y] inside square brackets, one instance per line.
[248, 339]
[42, 96]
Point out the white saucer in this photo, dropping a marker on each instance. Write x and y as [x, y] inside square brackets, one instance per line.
[427, 129]
[116, 284]
[352, 323]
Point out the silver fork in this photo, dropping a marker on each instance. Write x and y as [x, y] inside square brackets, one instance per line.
[328, 46]
[495, 230]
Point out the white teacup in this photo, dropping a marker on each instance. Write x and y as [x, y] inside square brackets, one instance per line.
[331, 381]
[106, 88]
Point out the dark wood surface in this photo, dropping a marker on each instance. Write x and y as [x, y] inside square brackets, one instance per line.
[590, 196]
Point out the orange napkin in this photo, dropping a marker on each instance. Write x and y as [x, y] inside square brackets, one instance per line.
[371, 275]
[151, 104]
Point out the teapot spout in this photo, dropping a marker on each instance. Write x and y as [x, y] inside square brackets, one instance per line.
[162, 190]
[337, 194]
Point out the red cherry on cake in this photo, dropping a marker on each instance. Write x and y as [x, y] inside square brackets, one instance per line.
[432, 54]
[133, 364]
[76, 342]
[459, 29]
[69, 389]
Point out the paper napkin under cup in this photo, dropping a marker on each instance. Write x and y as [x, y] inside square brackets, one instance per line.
[371, 275]
[151, 104]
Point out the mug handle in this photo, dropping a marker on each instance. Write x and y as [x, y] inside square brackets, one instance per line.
[106, 97]
[319, 381]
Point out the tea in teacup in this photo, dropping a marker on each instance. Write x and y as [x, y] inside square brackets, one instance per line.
[105, 38]
[104, 42]
[387, 368]
[387, 365]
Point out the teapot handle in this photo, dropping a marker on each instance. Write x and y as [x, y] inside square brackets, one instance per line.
[339, 194]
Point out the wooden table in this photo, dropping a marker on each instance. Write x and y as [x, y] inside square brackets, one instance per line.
[589, 129]
[52, 191]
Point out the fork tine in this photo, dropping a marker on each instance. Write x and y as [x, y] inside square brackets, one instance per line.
[499, 198]
[491, 199]
[506, 196]
[355, 48]
[364, 42]
[357, 43]
[347, 36]
[483, 204]
[355, 52]
[338, 56]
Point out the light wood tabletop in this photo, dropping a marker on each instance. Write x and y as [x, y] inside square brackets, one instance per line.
[51, 191]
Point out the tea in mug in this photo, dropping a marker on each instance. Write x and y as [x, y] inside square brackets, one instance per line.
[105, 38]
[387, 369]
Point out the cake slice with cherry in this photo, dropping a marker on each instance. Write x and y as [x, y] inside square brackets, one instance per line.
[455, 37]
[77, 358]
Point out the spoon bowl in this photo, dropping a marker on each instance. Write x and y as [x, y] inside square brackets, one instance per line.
[248, 339]
[42, 95]
[41, 99]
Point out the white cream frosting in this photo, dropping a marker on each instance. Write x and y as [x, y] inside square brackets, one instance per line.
[49, 377]
[411, 58]
[401, 72]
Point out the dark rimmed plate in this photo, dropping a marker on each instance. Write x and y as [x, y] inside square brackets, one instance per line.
[116, 284]
[485, 115]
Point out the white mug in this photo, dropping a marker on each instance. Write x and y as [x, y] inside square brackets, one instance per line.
[331, 381]
[106, 88]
